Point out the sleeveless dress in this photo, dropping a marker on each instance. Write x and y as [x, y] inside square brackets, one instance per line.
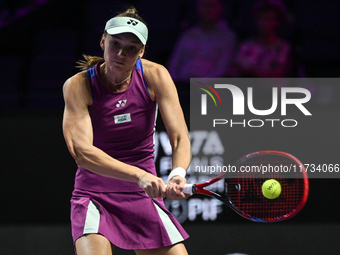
[123, 127]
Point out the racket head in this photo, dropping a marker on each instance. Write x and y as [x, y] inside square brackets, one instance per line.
[243, 190]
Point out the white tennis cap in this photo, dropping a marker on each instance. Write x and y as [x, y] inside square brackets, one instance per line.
[119, 25]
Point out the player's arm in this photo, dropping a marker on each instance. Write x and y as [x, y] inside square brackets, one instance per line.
[163, 90]
[77, 129]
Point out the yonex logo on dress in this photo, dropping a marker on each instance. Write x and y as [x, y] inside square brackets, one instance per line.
[132, 22]
[121, 103]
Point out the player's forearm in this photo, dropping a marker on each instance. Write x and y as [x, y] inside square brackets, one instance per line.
[97, 161]
[181, 153]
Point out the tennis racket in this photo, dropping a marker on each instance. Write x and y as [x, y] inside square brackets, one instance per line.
[243, 188]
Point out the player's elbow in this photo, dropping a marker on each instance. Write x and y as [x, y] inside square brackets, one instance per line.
[80, 153]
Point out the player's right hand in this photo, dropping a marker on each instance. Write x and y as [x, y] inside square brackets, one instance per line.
[153, 186]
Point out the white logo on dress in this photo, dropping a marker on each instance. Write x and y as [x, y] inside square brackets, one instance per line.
[121, 103]
[122, 118]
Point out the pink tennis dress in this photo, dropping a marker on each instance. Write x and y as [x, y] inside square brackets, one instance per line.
[123, 127]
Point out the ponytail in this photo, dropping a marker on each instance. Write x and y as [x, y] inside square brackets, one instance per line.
[90, 61]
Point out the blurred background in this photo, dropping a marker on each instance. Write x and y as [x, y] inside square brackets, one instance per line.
[40, 42]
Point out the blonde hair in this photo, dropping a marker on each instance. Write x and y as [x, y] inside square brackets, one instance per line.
[91, 61]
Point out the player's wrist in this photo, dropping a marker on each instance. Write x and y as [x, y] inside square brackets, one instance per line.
[141, 177]
[178, 171]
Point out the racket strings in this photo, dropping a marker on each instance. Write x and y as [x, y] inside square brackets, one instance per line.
[245, 189]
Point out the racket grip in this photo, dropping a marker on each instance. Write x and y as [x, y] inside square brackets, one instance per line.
[187, 189]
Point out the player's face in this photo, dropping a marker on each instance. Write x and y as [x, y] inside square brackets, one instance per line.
[122, 51]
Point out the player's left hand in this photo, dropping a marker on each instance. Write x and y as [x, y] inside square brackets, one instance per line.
[174, 189]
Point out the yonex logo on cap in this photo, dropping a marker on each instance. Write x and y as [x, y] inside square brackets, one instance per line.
[132, 22]
[119, 25]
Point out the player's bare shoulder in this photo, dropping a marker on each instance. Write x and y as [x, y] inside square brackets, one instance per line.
[75, 80]
[157, 76]
[153, 70]
[78, 87]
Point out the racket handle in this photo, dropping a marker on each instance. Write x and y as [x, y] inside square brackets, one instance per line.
[187, 188]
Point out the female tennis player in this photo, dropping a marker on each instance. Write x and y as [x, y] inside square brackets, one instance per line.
[108, 125]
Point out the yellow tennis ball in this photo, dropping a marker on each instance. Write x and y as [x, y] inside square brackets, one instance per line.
[271, 189]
